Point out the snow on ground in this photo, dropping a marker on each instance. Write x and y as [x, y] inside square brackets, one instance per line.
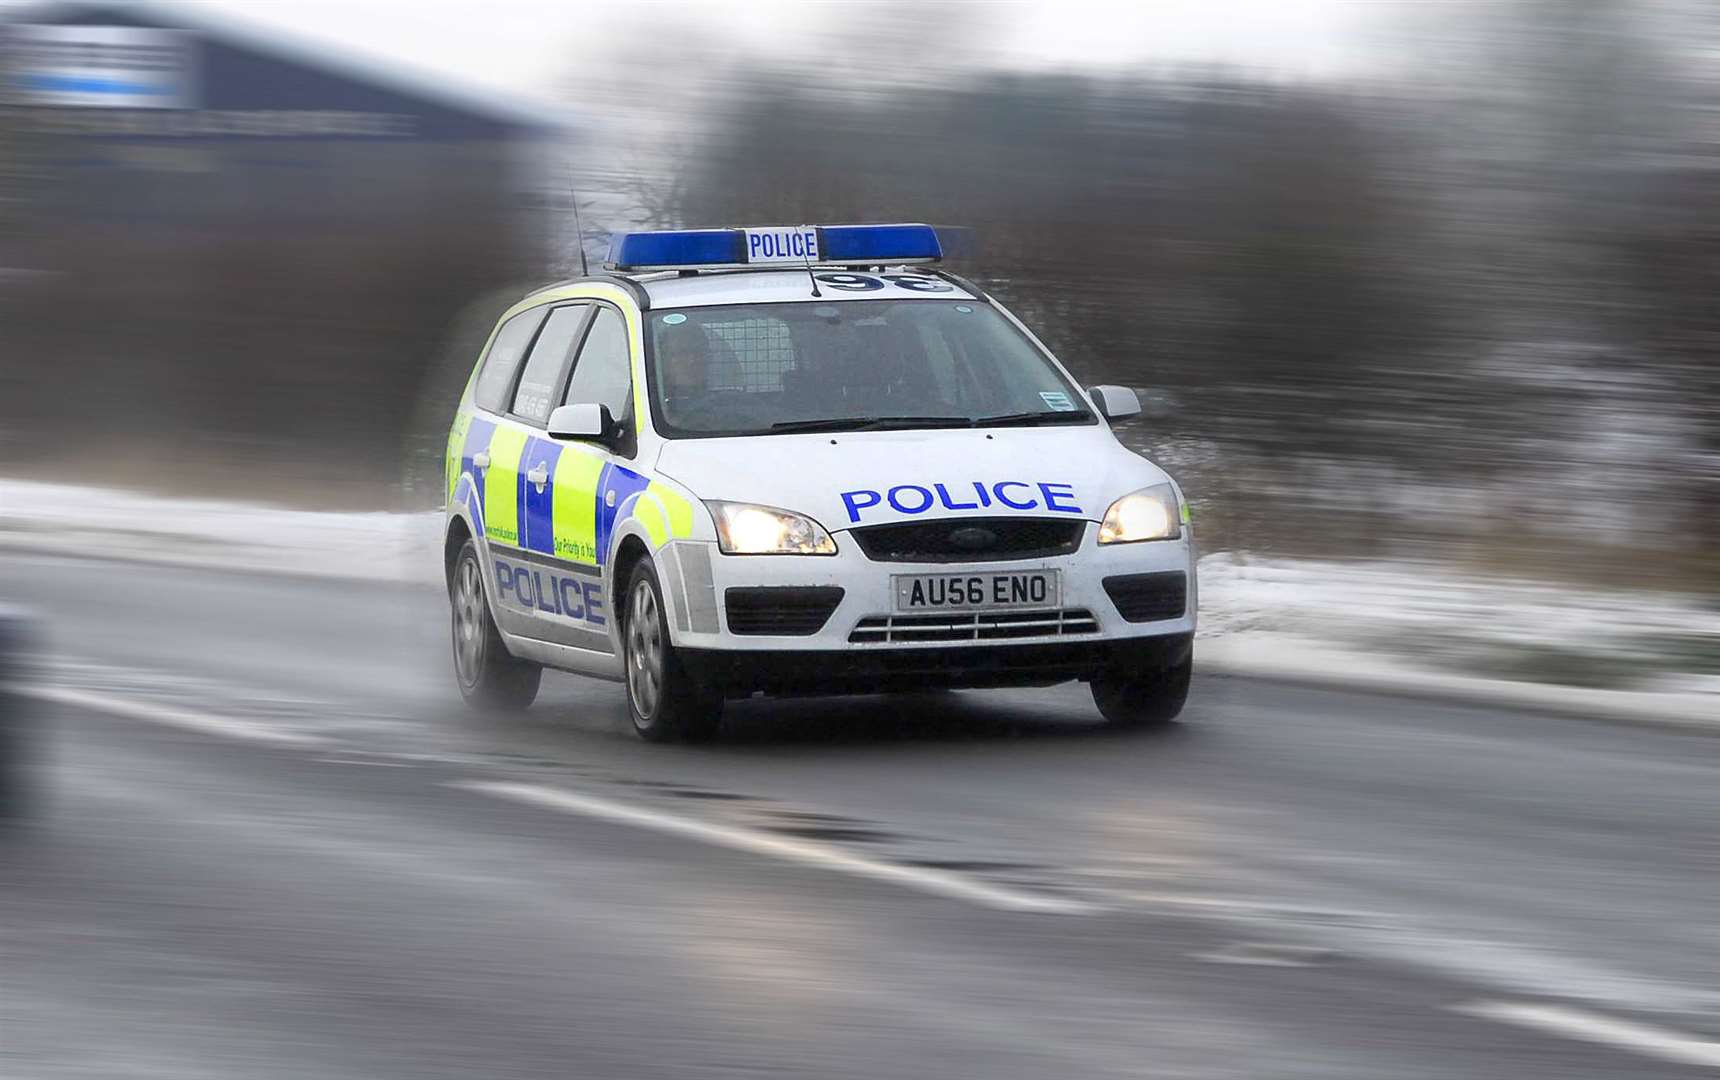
[1381, 622]
[130, 525]
[1429, 611]
[1423, 628]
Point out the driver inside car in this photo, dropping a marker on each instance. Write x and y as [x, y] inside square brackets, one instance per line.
[684, 364]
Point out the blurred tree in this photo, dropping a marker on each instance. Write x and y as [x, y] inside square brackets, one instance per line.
[1245, 248]
[1594, 183]
[1477, 296]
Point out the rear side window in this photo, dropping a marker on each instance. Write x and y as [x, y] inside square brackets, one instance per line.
[604, 373]
[541, 379]
[496, 377]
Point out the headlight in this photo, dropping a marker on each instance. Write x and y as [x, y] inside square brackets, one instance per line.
[745, 529]
[1148, 514]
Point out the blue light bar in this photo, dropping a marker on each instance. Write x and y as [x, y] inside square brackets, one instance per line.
[692, 247]
[822, 245]
[879, 243]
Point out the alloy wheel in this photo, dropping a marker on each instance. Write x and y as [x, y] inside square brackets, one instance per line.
[644, 650]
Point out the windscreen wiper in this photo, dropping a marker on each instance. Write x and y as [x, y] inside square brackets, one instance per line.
[1032, 419]
[838, 423]
[869, 423]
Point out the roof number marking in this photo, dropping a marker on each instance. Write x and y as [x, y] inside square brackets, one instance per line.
[871, 283]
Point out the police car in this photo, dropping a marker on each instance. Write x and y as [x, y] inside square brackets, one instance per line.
[802, 460]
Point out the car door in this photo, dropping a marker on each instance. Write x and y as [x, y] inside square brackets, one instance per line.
[492, 393]
[518, 518]
[592, 482]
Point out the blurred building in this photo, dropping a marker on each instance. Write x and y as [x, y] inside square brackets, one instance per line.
[275, 229]
[187, 121]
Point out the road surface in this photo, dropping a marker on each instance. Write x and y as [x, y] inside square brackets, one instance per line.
[272, 843]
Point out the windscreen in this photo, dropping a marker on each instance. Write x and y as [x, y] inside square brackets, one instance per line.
[759, 369]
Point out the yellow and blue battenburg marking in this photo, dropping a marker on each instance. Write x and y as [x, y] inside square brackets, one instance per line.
[615, 487]
[502, 501]
[469, 490]
[572, 514]
[452, 466]
[537, 522]
[573, 510]
[663, 514]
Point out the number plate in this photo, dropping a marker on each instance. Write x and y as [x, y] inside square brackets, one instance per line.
[976, 592]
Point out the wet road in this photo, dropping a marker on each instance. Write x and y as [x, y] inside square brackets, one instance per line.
[273, 843]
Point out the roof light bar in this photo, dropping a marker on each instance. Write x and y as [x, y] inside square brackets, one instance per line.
[692, 247]
[816, 245]
[880, 243]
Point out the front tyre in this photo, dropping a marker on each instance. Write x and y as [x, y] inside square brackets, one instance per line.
[1135, 701]
[663, 701]
[490, 677]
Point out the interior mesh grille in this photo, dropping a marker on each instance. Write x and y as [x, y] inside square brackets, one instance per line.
[975, 626]
[752, 356]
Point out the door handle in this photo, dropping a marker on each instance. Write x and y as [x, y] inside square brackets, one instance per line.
[539, 476]
[481, 460]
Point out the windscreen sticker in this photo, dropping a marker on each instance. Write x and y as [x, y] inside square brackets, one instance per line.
[675, 319]
[1057, 400]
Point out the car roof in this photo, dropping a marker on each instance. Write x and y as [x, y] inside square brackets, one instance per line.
[707, 288]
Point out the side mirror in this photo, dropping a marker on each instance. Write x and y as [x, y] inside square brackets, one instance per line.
[1115, 402]
[584, 422]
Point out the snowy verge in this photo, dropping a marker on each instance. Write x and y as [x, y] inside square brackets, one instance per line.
[1395, 627]
[1306, 662]
[105, 523]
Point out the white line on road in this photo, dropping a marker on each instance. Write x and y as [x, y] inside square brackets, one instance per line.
[1493, 962]
[1662, 1043]
[204, 723]
[809, 853]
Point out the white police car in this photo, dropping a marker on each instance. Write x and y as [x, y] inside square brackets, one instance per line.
[802, 460]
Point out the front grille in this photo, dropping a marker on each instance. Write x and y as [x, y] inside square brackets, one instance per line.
[1149, 597]
[784, 610]
[974, 626]
[987, 539]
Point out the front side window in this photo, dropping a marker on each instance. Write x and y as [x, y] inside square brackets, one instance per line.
[604, 371]
[763, 369]
[541, 380]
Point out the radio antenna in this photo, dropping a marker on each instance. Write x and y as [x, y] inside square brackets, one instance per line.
[810, 276]
[578, 229]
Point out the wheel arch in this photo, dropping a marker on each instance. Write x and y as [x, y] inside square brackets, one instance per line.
[454, 537]
[630, 550]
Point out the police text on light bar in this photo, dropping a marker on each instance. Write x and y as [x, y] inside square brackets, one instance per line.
[822, 245]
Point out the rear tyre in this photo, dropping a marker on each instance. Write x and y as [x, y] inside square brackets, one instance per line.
[1133, 701]
[490, 677]
[663, 701]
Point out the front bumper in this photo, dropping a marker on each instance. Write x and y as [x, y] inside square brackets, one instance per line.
[740, 673]
[1083, 632]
